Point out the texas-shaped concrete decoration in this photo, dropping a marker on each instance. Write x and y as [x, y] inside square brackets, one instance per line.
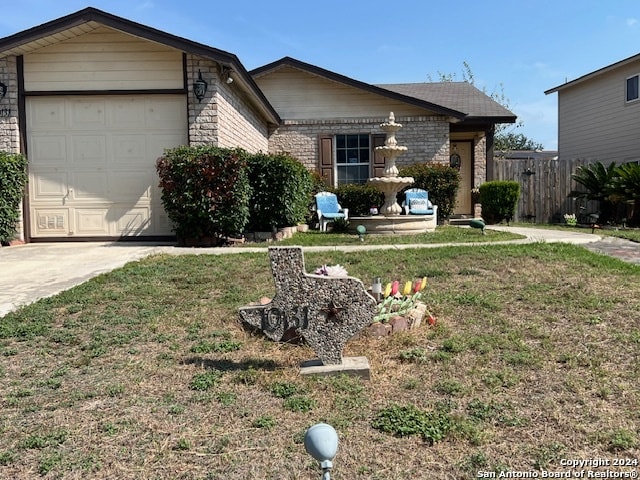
[325, 311]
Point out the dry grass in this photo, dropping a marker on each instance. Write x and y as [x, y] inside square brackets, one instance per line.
[144, 373]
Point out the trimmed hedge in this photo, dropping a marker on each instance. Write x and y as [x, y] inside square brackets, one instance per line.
[280, 191]
[13, 178]
[359, 198]
[441, 181]
[205, 191]
[499, 199]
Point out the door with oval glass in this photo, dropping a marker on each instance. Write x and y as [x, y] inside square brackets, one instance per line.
[462, 158]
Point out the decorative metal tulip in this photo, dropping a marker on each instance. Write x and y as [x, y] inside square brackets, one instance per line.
[396, 303]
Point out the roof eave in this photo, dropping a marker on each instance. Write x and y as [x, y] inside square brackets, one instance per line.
[593, 74]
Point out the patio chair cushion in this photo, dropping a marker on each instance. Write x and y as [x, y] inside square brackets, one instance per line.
[420, 206]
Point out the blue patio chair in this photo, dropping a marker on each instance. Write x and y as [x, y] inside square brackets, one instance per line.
[329, 209]
[416, 202]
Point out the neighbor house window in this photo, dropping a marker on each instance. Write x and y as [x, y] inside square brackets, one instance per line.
[632, 88]
[352, 158]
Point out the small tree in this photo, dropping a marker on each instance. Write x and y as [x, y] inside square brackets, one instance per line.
[13, 178]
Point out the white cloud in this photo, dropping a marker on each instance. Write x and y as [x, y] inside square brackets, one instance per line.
[631, 22]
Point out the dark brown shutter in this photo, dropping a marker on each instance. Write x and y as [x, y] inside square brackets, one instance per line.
[326, 158]
[378, 159]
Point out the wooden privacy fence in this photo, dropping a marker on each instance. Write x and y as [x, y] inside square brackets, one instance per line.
[545, 184]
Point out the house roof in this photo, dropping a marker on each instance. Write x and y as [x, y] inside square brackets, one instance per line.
[595, 73]
[461, 96]
[460, 100]
[88, 19]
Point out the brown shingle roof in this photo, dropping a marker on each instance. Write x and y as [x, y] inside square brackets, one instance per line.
[461, 96]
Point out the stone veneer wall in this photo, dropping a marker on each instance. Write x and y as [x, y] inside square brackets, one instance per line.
[479, 161]
[427, 138]
[9, 121]
[222, 118]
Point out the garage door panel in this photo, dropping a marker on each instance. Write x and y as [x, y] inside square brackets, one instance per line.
[127, 112]
[128, 149]
[131, 185]
[88, 115]
[132, 221]
[96, 177]
[48, 185]
[49, 150]
[161, 114]
[50, 222]
[91, 222]
[91, 185]
[49, 114]
[89, 149]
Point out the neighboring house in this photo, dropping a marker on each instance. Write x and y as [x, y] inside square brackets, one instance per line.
[93, 100]
[599, 114]
[331, 123]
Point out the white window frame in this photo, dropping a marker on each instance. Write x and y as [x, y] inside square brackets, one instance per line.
[354, 164]
[637, 89]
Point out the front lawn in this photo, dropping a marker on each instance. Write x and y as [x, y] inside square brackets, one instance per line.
[145, 373]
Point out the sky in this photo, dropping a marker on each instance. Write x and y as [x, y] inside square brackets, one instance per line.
[516, 49]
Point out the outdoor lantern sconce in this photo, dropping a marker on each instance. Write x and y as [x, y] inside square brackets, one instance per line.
[321, 442]
[528, 172]
[225, 74]
[200, 87]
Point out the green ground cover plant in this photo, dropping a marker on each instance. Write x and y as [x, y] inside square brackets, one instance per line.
[145, 372]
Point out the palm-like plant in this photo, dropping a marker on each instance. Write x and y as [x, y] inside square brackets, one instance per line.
[626, 188]
[597, 180]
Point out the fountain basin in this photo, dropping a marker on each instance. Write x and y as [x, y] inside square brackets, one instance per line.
[394, 224]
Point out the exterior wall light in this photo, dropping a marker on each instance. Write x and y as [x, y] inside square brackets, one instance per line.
[321, 442]
[225, 73]
[200, 87]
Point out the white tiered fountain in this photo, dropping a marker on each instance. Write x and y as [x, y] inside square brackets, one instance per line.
[390, 221]
[390, 183]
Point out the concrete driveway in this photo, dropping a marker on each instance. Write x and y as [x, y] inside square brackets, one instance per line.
[38, 270]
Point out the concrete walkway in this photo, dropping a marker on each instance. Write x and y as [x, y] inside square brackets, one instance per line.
[38, 270]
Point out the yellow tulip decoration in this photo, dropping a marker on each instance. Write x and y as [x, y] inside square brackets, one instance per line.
[406, 291]
[387, 290]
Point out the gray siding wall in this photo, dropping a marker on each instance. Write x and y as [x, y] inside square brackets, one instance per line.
[595, 122]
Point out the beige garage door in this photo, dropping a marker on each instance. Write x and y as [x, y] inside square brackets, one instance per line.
[92, 163]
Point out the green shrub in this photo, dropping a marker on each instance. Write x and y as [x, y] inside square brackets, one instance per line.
[441, 181]
[280, 191]
[13, 178]
[499, 199]
[205, 191]
[359, 198]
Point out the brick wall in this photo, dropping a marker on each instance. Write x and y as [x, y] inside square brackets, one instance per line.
[9, 129]
[223, 117]
[427, 138]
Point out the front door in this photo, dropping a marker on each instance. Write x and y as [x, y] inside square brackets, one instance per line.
[462, 158]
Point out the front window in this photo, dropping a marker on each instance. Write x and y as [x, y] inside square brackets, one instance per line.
[352, 158]
[633, 93]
